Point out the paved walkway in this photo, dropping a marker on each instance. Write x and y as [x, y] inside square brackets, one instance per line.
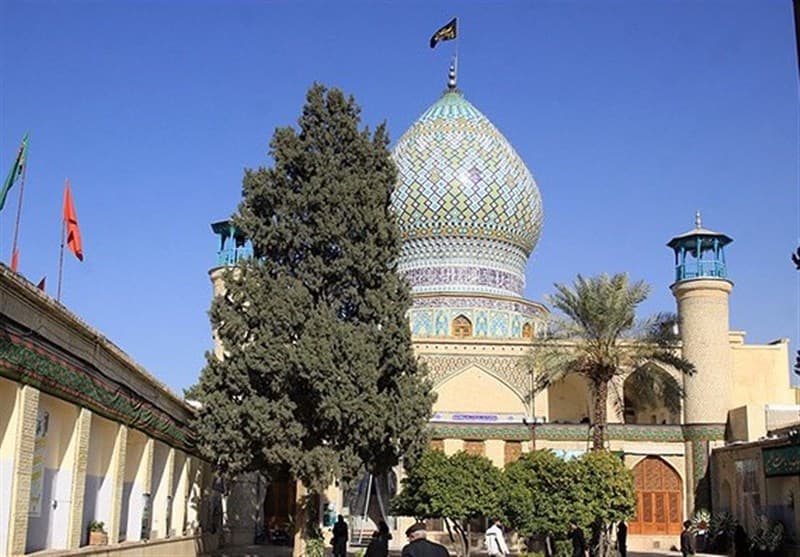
[284, 551]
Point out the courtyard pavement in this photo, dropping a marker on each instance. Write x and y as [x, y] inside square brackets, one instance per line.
[284, 551]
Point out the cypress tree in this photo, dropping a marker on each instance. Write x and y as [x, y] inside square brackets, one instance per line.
[318, 376]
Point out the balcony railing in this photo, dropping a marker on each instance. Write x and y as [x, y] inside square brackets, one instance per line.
[711, 268]
[230, 256]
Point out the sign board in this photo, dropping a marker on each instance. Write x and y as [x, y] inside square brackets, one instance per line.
[781, 461]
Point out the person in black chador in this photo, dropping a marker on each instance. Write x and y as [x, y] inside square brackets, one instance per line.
[622, 538]
[741, 546]
[578, 540]
[340, 538]
[418, 546]
[379, 545]
[687, 540]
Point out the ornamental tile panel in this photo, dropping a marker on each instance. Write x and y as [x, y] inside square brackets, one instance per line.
[557, 432]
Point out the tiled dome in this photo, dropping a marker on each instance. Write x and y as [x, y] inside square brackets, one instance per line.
[460, 178]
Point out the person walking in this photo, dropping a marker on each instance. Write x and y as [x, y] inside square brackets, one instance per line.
[379, 544]
[622, 538]
[687, 540]
[340, 537]
[578, 540]
[495, 541]
[419, 546]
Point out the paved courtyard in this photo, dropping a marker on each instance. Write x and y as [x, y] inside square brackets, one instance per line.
[283, 551]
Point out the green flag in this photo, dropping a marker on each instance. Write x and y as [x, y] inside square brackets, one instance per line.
[16, 171]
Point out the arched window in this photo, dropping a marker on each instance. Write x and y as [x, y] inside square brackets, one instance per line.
[527, 331]
[462, 327]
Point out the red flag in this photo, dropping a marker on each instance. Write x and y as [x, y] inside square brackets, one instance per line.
[71, 221]
[41, 284]
[15, 260]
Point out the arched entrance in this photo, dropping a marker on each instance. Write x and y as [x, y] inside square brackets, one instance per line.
[659, 498]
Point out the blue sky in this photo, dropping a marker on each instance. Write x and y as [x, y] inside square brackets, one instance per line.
[631, 116]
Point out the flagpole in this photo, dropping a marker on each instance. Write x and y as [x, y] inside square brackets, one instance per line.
[61, 256]
[458, 34]
[19, 206]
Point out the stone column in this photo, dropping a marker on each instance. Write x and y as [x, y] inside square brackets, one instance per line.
[27, 407]
[147, 486]
[116, 475]
[169, 483]
[180, 497]
[80, 453]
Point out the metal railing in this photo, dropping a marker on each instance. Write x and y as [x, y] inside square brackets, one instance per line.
[230, 256]
[702, 268]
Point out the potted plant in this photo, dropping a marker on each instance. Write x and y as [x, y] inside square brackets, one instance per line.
[768, 538]
[97, 533]
[700, 524]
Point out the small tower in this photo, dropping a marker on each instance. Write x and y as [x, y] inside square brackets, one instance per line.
[233, 247]
[702, 289]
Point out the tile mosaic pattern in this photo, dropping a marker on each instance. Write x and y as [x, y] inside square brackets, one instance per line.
[494, 254]
[459, 177]
[486, 323]
[559, 432]
[529, 310]
[506, 323]
[471, 279]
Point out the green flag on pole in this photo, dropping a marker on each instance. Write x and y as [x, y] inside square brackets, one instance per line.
[15, 172]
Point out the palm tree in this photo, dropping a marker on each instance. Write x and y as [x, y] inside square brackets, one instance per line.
[598, 337]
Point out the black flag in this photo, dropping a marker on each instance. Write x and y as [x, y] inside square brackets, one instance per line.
[446, 33]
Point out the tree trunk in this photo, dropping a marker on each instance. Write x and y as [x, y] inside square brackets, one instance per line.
[600, 539]
[463, 539]
[300, 521]
[599, 415]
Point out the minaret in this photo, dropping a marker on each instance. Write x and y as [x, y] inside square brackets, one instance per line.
[702, 289]
[244, 501]
[232, 247]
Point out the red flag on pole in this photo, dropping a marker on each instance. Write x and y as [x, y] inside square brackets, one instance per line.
[15, 260]
[71, 221]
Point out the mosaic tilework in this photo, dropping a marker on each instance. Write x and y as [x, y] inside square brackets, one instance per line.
[459, 177]
[436, 322]
[525, 309]
[492, 254]
[557, 432]
[467, 279]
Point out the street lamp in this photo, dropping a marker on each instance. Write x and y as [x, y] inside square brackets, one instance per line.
[532, 423]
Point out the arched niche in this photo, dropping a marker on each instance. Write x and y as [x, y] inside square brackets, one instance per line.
[641, 409]
[476, 390]
[461, 327]
[568, 400]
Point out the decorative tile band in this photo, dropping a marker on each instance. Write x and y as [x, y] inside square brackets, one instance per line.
[704, 432]
[522, 307]
[485, 323]
[34, 364]
[468, 279]
[560, 432]
[479, 252]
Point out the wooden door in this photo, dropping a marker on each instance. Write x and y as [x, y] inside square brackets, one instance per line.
[659, 498]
